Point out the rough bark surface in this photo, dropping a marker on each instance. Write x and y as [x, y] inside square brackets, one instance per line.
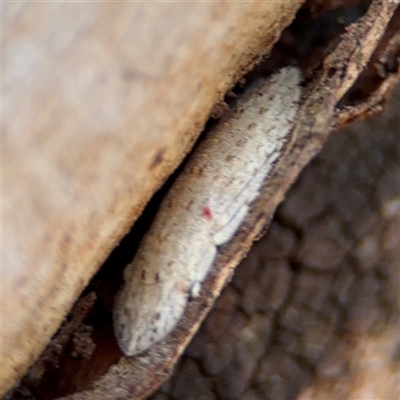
[314, 311]
[137, 377]
[86, 345]
[101, 102]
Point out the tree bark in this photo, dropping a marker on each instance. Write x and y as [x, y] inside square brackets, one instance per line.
[313, 311]
[101, 102]
[109, 374]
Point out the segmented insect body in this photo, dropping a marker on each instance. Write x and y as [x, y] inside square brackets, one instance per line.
[203, 210]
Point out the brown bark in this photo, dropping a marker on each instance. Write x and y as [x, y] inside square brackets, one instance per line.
[101, 101]
[313, 311]
[136, 377]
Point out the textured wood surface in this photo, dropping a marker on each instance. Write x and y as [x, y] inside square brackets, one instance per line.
[89, 352]
[313, 312]
[136, 377]
[101, 101]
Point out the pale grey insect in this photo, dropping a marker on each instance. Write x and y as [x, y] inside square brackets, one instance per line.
[204, 208]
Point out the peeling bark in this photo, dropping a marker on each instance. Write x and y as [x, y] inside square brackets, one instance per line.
[101, 102]
[313, 311]
[325, 86]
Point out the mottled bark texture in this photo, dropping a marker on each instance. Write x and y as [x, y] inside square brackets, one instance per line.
[101, 102]
[83, 362]
[313, 312]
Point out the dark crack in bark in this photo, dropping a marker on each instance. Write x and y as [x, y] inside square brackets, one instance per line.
[314, 310]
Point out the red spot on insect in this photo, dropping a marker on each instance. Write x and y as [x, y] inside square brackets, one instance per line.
[207, 212]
